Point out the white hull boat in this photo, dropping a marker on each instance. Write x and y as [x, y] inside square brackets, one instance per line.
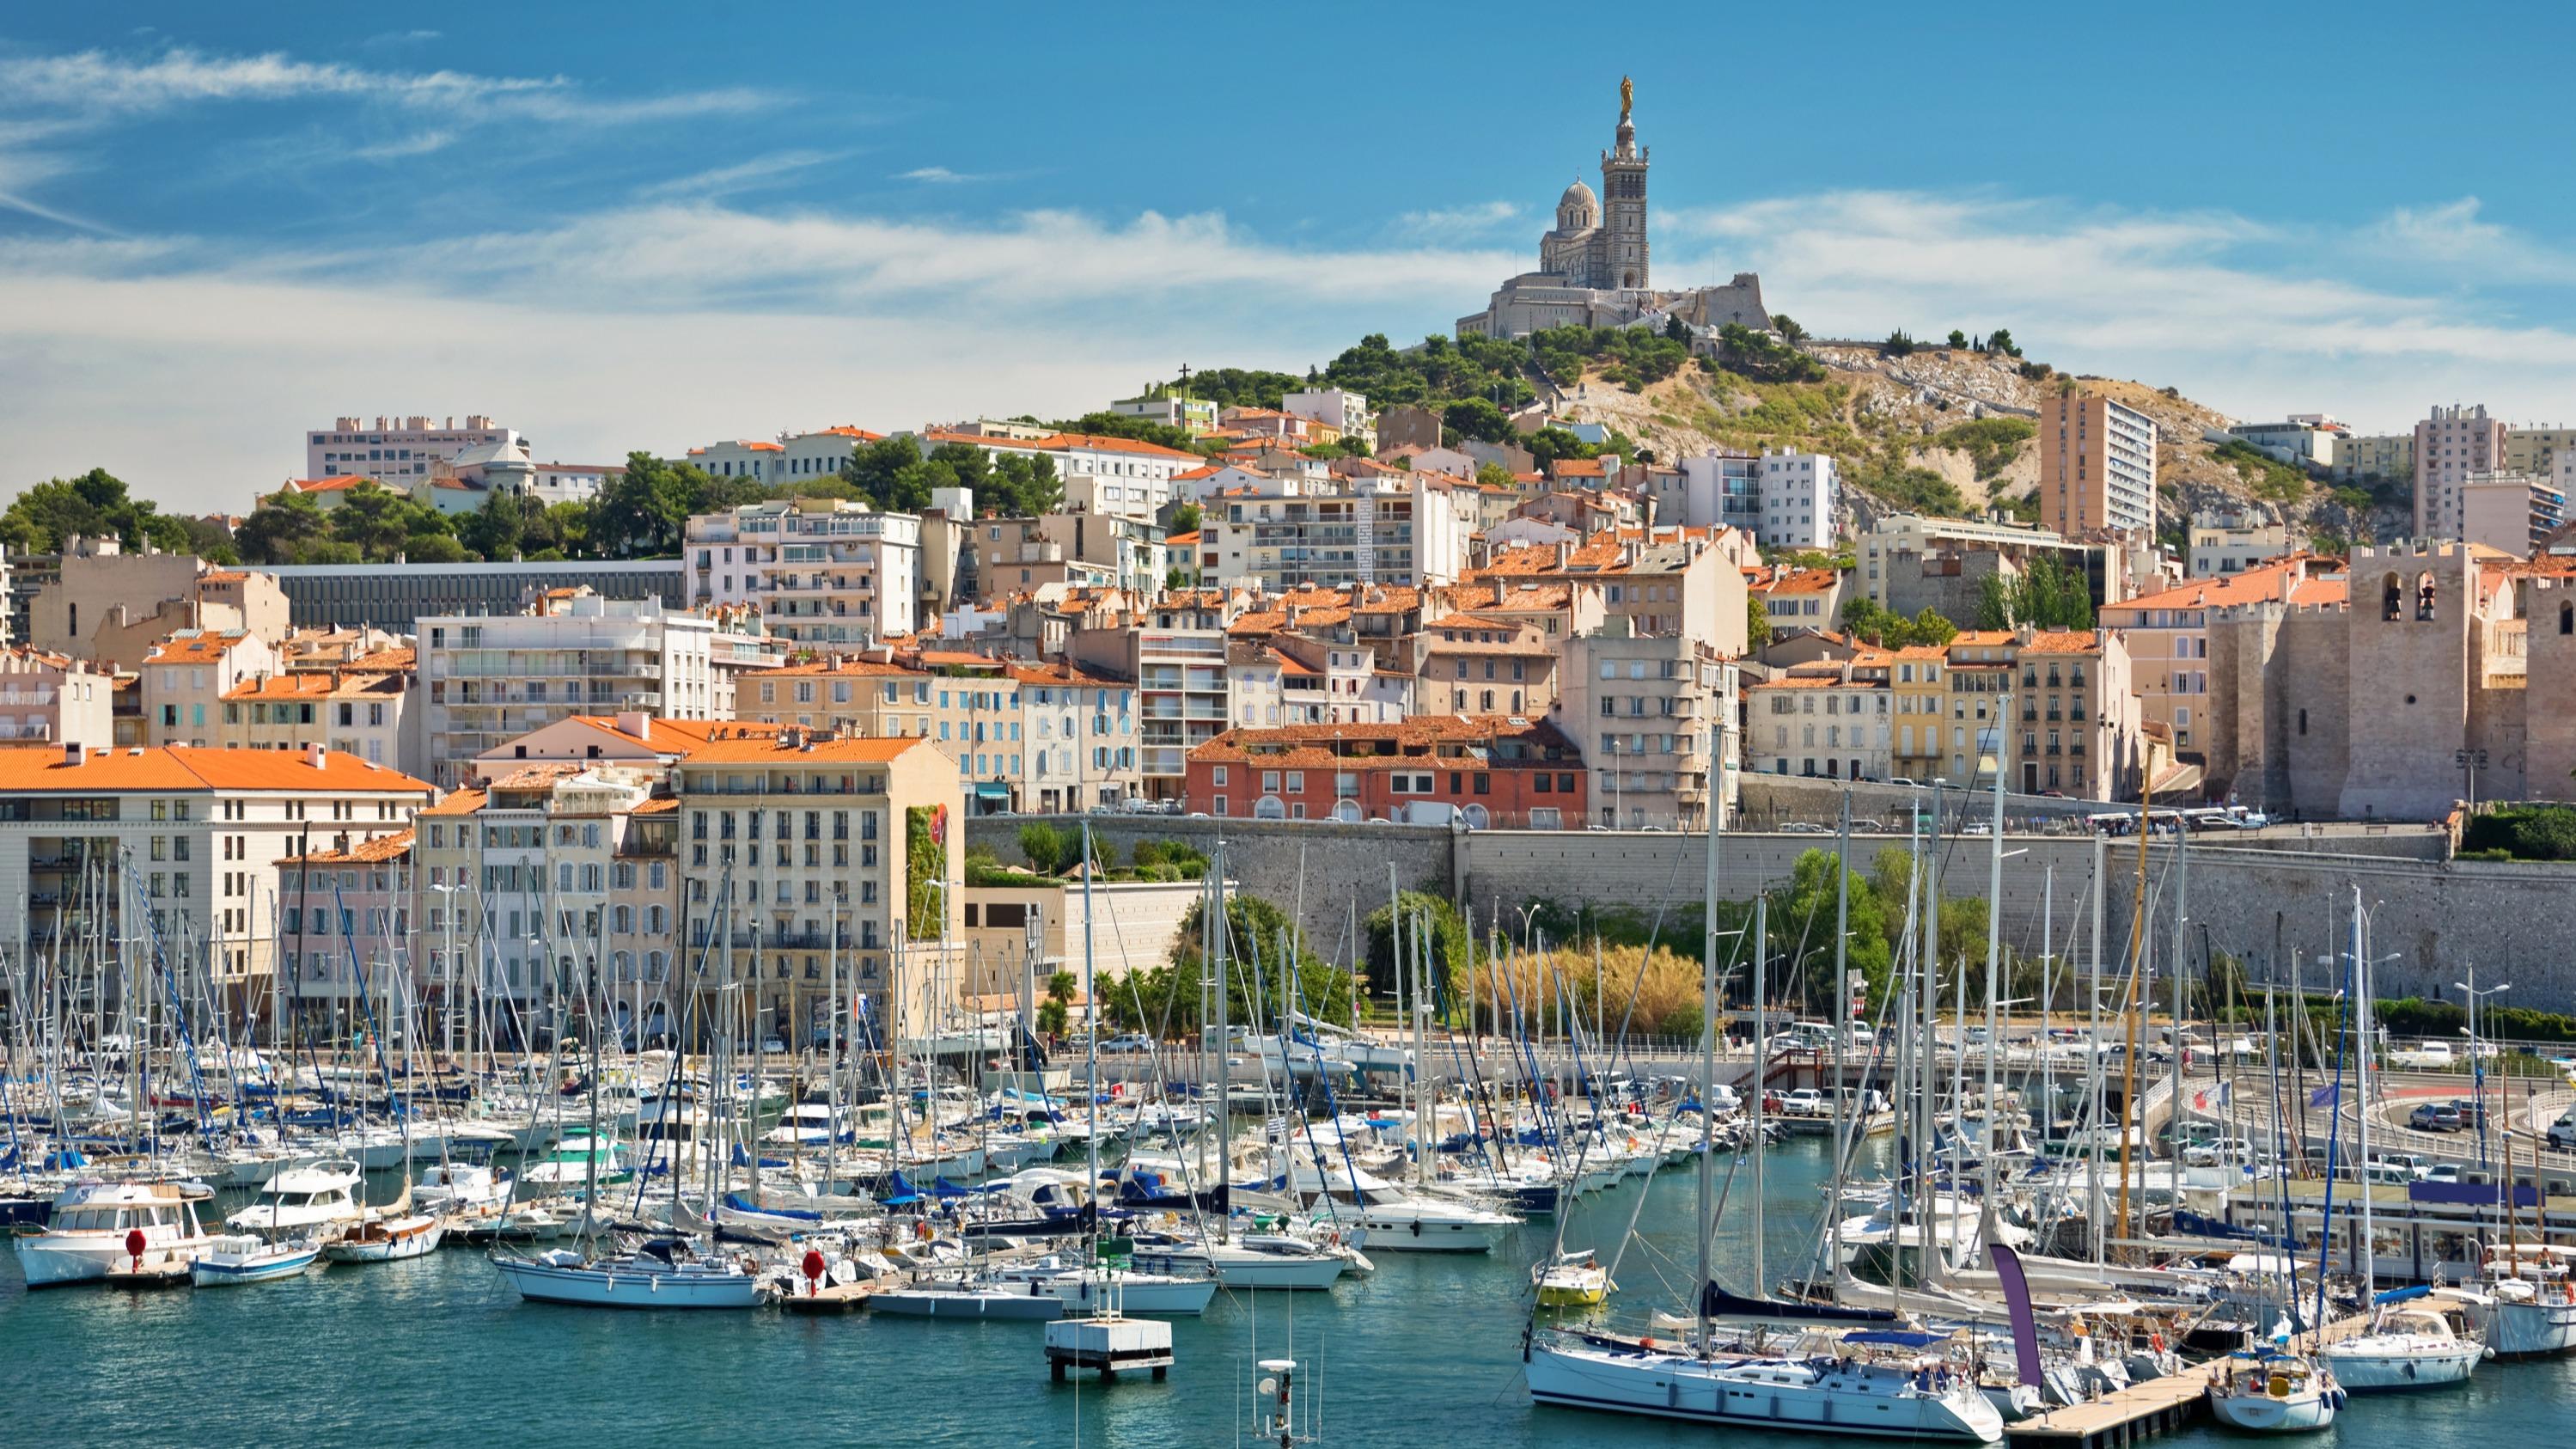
[388, 1240]
[1417, 1225]
[1817, 1396]
[2520, 1319]
[95, 1228]
[246, 1259]
[636, 1281]
[2273, 1393]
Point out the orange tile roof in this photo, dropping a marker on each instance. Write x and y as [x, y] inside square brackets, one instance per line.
[862, 434]
[1050, 672]
[328, 485]
[2251, 586]
[187, 769]
[1803, 581]
[461, 802]
[870, 668]
[2064, 641]
[223, 576]
[1311, 743]
[769, 748]
[315, 683]
[1183, 540]
[366, 852]
[2323, 593]
[197, 648]
[658, 805]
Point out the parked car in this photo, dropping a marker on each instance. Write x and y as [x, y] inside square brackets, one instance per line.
[2434, 1117]
[2427, 1056]
[1127, 1045]
[1804, 827]
[2473, 1113]
[2442, 1172]
[2562, 1133]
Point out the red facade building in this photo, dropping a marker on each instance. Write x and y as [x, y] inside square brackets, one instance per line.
[1497, 771]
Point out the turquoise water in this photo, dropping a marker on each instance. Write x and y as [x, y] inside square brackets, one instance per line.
[441, 1352]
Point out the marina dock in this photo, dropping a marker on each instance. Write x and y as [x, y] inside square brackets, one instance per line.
[2141, 1411]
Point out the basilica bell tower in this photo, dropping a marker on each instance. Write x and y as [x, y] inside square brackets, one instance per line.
[1623, 202]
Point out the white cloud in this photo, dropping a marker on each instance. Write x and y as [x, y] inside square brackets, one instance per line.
[97, 84]
[935, 176]
[396, 39]
[419, 143]
[193, 375]
[2455, 235]
[2223, 306]
[743, 176]
[1445, 223]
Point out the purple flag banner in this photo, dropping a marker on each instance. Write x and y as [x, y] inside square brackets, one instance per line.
[2025, 1329]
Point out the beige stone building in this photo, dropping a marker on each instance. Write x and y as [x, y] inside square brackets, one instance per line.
[2444, 658]
[1828, 722]
[2167, 636]
[185, 679]
[111, 607]
[842, 855]
[359, 712]
[1650, 714]
[51, 699]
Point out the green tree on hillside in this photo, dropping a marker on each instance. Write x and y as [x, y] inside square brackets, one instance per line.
[94, 505]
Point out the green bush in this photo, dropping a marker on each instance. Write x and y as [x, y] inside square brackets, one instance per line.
[1045, 846]
[1990, 443]
[2524, 832]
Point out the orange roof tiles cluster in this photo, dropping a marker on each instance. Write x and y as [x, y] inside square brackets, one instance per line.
[366, 852]
[183, 769]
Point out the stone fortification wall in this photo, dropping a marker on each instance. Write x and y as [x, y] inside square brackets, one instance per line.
[2258, 902]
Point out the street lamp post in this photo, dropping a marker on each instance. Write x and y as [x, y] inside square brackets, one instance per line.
[2477, 1063]
[2471, 761]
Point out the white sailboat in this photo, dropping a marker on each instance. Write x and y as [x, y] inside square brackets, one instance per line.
[1833, 1381]
[2271, 1391]
[2409, 1346]
[662, 1273]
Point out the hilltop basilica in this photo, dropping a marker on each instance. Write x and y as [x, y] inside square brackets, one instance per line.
[1592, 267]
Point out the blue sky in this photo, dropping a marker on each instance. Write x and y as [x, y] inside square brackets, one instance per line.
[649, 226]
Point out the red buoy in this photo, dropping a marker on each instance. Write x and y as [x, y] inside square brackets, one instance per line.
[134, 1247]
[813, 1266]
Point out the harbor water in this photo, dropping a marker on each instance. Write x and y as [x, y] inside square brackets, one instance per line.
[440, 1352]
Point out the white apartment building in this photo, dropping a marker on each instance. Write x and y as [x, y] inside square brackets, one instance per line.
[492, 678]
[1802, 500]
[191, 835]
[395, 450]
[2306, 440]
[1347, 411]
[1405, 529]
[821, 571]
[2456, 441]
[793, 456]
[1101, 474]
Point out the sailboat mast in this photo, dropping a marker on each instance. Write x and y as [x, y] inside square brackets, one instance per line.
[1841, 1018]
[1761, 1078]
[2129, 993]
[1708, 1047]
[1994, 971]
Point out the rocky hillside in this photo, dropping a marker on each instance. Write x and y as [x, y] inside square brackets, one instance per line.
[1948, 431]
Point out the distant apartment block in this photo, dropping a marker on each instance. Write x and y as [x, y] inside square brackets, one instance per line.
[1345, 411]
[2510, 511]
[493, 678]
[2453, 443]
[791, 457]
[1191, 415]
[2097, 466]
[2229, 543]
[821, 571]
[395, 450]
[2307, 440]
